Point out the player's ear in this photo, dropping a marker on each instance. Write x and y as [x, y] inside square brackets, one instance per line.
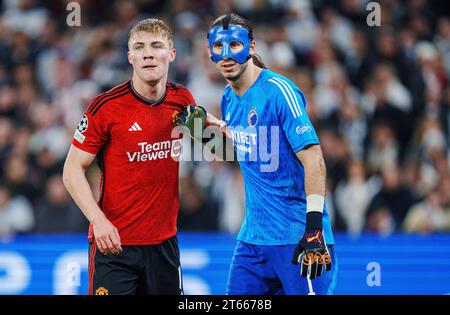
[252, 47]
[129, 57]
[208, 51]
[172, 55]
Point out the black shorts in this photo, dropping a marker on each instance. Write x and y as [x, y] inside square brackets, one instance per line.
[147, 269]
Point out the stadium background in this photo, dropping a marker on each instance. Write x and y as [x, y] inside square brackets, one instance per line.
[378, 96]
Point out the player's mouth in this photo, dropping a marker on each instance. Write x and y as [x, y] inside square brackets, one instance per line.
[149, 67]
[228, 66]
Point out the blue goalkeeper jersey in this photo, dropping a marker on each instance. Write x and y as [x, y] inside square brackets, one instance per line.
[269, 124]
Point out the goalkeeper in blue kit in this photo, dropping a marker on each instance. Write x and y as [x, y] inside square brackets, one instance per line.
[287, 222]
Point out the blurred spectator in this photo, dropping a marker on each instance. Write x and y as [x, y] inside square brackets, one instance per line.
[56, 211]
[6, 132]
[442, 41]
[336, 154]
[389, 206]
[431, 72]
[421, 177]
[197, 211]
[186, 24]
[433, 213]
[338, 28]
[18, 177]
[332, 89]
[357, 62]
[393, 91]
[350, 121]
[49, 134]
[230, 191]
[431, 138]
[16, 213]
[444, 114]
[353, 196]
[301, 26]
[383, 148]
[205, 74]
[25, 10]
[8, 102]
[21, 142]
[387, 51]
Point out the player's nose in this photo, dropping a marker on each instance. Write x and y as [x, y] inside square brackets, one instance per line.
[148, 53]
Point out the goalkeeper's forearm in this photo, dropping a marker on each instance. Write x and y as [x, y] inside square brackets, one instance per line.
[315, 170]
[223, 149]
[315, 184]
[212, 121]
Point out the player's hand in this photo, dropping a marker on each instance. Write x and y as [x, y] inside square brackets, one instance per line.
[107, 237]
[312, 253]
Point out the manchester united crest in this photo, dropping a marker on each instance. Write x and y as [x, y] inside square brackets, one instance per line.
[101, 291]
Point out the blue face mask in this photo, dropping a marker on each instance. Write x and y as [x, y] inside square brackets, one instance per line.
[232, 33]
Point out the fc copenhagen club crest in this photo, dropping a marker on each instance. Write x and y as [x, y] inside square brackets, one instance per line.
[82, 126]
[252, 118]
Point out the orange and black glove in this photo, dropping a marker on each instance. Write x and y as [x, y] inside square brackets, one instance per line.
[312, 252]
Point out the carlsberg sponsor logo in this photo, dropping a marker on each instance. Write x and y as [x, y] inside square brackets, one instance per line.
[150, 151]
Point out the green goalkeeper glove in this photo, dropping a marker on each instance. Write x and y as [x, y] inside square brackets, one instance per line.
[194, 118]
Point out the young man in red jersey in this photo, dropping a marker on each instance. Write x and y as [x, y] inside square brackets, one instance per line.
[133, 244]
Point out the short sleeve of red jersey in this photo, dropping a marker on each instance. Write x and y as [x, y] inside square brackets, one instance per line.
[91, 133]
[185, 94]
[190, 98]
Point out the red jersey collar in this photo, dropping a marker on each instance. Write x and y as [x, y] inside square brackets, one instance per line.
[144, 100]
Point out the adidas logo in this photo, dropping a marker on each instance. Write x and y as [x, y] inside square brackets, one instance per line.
[135, 127]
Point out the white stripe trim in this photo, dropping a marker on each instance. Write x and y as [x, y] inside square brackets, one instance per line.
[292, 94]
[137, 126]
[180, 281]
[134, 128]
[285, 96]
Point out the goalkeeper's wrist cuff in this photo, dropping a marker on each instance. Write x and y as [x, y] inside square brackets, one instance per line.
[314, 211]
[314, 220]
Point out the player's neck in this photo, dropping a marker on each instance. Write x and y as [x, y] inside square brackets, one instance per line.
[246, 80]
[149, 90]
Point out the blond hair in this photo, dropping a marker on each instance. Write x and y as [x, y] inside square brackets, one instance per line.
[154, 26]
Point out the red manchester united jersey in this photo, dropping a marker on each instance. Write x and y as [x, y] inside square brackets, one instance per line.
[137, 156]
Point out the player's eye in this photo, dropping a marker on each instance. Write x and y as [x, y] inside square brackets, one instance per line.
[217, 48]
[138, 47]
[236, 46]
[157, 45]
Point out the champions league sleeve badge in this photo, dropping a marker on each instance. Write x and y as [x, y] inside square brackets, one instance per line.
[81, 128]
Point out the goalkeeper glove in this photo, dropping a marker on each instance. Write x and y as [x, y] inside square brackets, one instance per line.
[194, 118]
[312, 252]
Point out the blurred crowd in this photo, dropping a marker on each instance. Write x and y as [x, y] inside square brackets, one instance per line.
[379, 98]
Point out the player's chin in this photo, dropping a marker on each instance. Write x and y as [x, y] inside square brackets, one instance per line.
[231, 75]
[150, 77]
